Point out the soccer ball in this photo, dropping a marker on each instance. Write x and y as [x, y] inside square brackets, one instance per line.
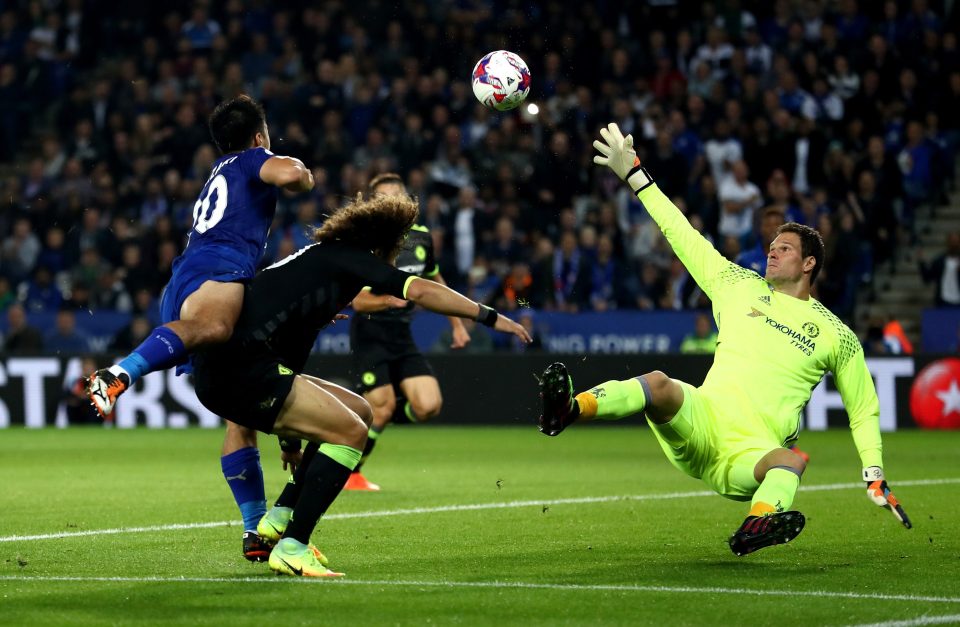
[501, 80]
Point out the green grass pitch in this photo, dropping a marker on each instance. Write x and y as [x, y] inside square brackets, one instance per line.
[474, 526]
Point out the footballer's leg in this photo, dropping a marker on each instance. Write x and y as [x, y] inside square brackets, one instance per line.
[769, 521]
[383, 402]
[654, 393]
[207, 316]
[310, 411]
[240, 463]
[424, 400]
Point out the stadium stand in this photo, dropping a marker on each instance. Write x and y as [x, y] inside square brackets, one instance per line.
[841, 115]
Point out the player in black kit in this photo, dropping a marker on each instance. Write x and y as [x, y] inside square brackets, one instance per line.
[389, 370]
[255, 377]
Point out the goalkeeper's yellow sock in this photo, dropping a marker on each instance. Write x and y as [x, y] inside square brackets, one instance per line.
[776, 492]
[614, 400]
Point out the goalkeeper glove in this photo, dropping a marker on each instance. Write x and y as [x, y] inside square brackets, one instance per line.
[617, 153]
[879, 492]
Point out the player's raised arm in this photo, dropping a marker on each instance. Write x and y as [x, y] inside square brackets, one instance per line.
[460, 336]
[288, 173]
[443, 300]
[697, 254]
[368, 302]
[863, 407]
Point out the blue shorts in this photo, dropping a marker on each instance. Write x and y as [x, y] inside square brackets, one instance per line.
[190, 271]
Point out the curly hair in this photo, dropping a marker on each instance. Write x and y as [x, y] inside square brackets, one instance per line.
[379, 224]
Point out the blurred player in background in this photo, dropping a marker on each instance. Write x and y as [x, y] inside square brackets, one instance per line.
[775, 345]
[200, 304]
[255, 377]
[386, 359]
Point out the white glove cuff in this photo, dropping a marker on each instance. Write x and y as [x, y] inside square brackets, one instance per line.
[639, 179]
[873, 473]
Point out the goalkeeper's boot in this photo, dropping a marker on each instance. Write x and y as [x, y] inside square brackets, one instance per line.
[558, 407]
[254, 548]
[103, 389]
[360, 483]
[291, 557]
[758, 532]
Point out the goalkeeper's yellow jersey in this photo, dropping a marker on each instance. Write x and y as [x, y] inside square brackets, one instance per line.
[772, 349]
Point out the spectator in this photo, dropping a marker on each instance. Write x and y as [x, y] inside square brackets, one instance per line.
[20, 251]
[504, 250]
[130, 336]
[662, 158]
[722, 151]
[76, 401]
[40, 293]
[200, 30]
[755, 258]
[944, 273]
[516, 289]
[65, 337]
[570, 274]
[7, 295]
[20, 337]
[739, 198]
[916, 165]
[703, 339]
[876, 216]
[607, 288]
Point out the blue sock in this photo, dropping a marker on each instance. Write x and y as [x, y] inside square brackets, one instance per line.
[161, 350]
[244, 475]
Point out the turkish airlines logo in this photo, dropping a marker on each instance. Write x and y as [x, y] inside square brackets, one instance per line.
[935, 395]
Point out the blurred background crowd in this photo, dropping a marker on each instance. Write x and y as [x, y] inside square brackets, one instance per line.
[842, 115]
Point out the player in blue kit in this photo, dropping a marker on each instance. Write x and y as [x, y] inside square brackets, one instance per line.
[202, 301]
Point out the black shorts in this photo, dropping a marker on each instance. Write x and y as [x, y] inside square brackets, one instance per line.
[384, 354]
[246, 389]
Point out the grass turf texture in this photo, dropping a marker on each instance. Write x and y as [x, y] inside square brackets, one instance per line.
[623, 561]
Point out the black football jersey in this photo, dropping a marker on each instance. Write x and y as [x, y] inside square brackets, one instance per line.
[416, 257]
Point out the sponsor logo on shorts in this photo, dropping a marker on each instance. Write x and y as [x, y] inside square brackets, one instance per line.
[267, 404]
[368, 378]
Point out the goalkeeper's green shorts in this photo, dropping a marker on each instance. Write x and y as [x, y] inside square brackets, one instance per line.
[700, 442]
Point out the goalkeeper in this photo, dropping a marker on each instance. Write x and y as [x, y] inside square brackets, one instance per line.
[775, 344]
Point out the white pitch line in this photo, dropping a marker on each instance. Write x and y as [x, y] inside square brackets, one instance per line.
[452, 508]
[913, 622]
[502, 585]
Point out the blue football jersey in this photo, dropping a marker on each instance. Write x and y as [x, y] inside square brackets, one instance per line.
[235, 209]
[231, 220]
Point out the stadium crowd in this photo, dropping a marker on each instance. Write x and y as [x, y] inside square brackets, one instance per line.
[840, 115]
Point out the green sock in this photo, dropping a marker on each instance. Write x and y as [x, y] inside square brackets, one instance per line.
[776, 492]
[342, 454]
[614, 400]
[326, 476]
[403, 413]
